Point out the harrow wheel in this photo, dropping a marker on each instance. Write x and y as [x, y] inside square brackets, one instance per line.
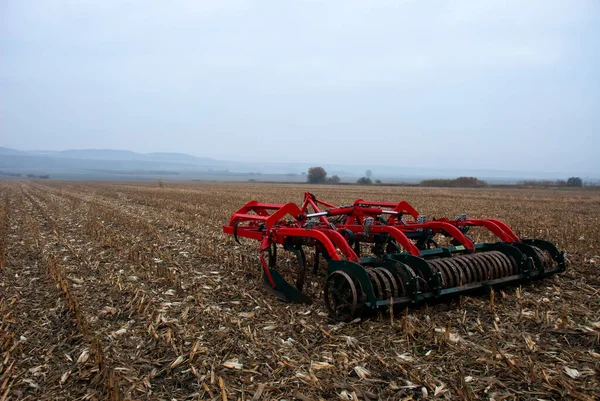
[342, 296]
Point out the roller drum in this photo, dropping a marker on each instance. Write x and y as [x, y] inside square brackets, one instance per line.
[461, 270]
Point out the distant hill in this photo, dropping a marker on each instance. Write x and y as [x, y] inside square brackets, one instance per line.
[181, 157]
[110, 154]
[125, 164]
[8, 151]
[102, 163]
[98, 154]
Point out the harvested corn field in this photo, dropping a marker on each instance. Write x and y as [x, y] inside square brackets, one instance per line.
[132, 291]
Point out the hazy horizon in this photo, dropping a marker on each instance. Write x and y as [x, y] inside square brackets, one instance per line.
[380, 167]
[439, 84]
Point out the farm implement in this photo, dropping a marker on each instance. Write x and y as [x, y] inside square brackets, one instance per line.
[406, 266]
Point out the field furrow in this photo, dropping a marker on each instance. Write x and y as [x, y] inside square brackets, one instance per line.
[41, 342]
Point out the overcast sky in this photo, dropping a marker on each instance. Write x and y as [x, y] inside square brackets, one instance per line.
[511, 85]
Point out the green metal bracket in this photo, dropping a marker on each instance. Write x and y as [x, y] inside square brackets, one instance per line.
[557, 255]
[531, 253]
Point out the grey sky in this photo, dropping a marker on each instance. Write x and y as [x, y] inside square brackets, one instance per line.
[512, 85]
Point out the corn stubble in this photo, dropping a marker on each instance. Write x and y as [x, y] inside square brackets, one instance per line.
[131, 291]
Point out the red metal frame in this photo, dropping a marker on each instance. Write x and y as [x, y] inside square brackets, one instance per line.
[360, 209]
[273, 223]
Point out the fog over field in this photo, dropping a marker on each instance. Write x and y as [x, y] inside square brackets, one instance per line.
[409, 89]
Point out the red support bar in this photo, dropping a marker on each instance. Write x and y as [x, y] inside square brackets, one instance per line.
[402, 207]
[261, 210]
[244, 232]
[289, 208]
[340, 242]
[494, 228]
[247, 217]
[397, 234]
[405, 208]
[326, 237]
[506, 229]
[450, 229]
[342, 210]
[271, 206]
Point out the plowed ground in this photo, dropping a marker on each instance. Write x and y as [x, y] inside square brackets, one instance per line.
[132, 291]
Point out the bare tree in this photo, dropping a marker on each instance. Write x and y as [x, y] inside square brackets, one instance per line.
[316, 175]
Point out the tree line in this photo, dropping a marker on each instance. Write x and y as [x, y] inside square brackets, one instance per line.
[460, 182]
[9, 174]
[318, 175]
[571, 182]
